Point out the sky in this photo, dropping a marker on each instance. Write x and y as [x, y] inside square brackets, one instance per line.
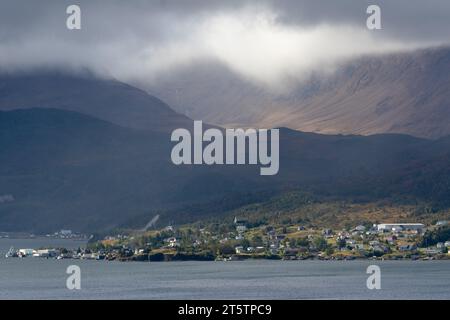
[266, 41]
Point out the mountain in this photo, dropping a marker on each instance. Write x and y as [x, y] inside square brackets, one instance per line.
[66, 169]
[62, 169]
[88, 154]
[404, 93]
[398, 93]
[109, 100]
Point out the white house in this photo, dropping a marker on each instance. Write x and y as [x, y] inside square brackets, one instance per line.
[239, 249]
[396, 227]
[45, 253]
[240, 221]
[350, 243]
[173, 242]
[273, 251]
[66, 232]
[25, 252]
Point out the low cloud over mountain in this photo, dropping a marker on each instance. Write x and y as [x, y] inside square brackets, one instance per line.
[392, 93]
[268, 42]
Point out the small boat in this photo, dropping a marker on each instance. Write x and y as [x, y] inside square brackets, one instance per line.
[11, 253]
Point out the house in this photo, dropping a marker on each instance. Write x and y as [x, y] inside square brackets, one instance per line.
[274, 246]
[379, 248]
[398, 227]
[360, 228]
[260, 249]
[89, 256]
[270, 229]
[407, 247]
[350, 243]
[197, 243]
[240, 221]
[271, 233]
[45, 253]
[25, 253]
[140, 251]
[441, 223]
[239, 249]
[391, 240]
[273, 251]
[279, 237]
[66, 232]
[432, 251]
[173, 242]
[447, 244]
[241, 228]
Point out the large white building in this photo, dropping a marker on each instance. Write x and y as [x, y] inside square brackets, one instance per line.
[396, 227]
[26, 252]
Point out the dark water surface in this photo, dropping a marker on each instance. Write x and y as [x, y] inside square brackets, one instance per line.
[36, 278]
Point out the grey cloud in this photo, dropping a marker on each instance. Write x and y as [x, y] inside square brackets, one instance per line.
[410, 18]
[140, 38]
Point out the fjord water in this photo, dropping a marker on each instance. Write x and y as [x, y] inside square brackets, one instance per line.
[35, 278]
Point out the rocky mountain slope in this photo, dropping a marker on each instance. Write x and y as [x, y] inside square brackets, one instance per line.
[405, 93]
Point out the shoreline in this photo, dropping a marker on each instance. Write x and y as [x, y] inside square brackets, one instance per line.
[232, 258]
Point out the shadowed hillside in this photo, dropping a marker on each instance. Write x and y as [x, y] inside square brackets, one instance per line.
[67, 170]
[109, 100]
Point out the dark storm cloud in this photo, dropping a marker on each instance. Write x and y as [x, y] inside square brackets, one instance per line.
[142, 38]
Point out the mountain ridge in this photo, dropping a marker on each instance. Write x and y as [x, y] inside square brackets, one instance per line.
[404, 92]
[68, 170]
[106, 99]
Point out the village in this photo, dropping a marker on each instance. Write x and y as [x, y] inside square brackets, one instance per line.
[241, 240]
